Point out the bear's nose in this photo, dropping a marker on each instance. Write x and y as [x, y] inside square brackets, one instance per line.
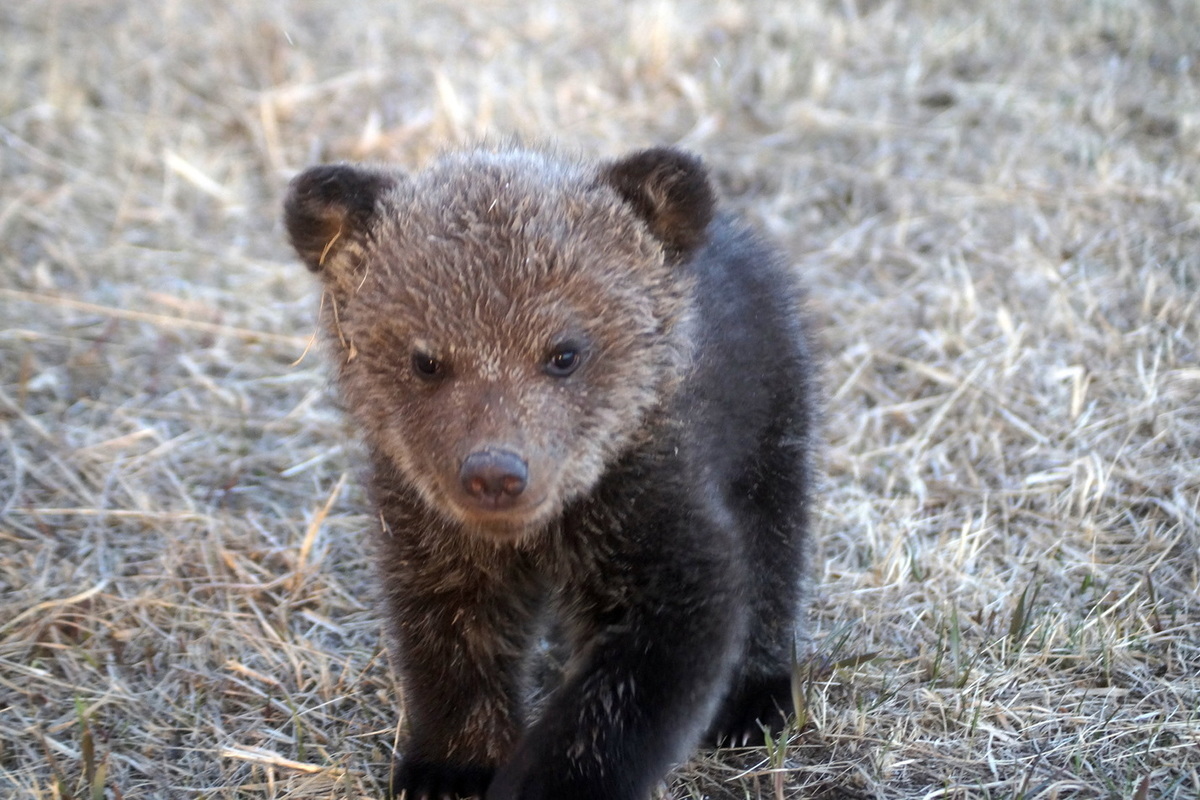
[494, 476]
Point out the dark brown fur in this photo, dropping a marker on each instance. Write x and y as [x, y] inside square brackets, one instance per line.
[634, 366]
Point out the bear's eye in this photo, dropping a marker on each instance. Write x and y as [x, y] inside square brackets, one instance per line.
[564, 359]
[426, 366]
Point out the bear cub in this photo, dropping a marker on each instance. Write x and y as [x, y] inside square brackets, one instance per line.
[585, 395]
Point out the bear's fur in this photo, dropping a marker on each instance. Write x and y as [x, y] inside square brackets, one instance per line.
[586, 399]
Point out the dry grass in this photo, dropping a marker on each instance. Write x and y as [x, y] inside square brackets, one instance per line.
[995, 205]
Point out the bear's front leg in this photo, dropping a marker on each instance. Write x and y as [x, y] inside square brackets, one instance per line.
[459, 631]
[655, 647]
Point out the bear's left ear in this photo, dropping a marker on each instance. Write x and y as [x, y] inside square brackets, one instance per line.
[669, 189]
[330, 206]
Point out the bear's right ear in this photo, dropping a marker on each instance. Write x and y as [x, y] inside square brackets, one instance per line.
[328, 206]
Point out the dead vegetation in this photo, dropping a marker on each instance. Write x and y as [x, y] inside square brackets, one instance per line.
[995, 204]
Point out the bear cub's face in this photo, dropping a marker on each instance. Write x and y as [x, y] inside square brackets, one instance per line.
[505, 321]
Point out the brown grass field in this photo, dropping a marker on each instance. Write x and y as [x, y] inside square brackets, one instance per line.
[996, 207]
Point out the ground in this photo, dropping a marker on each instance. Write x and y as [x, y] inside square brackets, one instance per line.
[995, 207]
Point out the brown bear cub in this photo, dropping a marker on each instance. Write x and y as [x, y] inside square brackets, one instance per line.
[585, 395]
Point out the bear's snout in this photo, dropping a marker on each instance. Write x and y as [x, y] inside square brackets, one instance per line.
[494, 478]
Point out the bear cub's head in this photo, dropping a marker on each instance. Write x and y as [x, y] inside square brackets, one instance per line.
[506, 321]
